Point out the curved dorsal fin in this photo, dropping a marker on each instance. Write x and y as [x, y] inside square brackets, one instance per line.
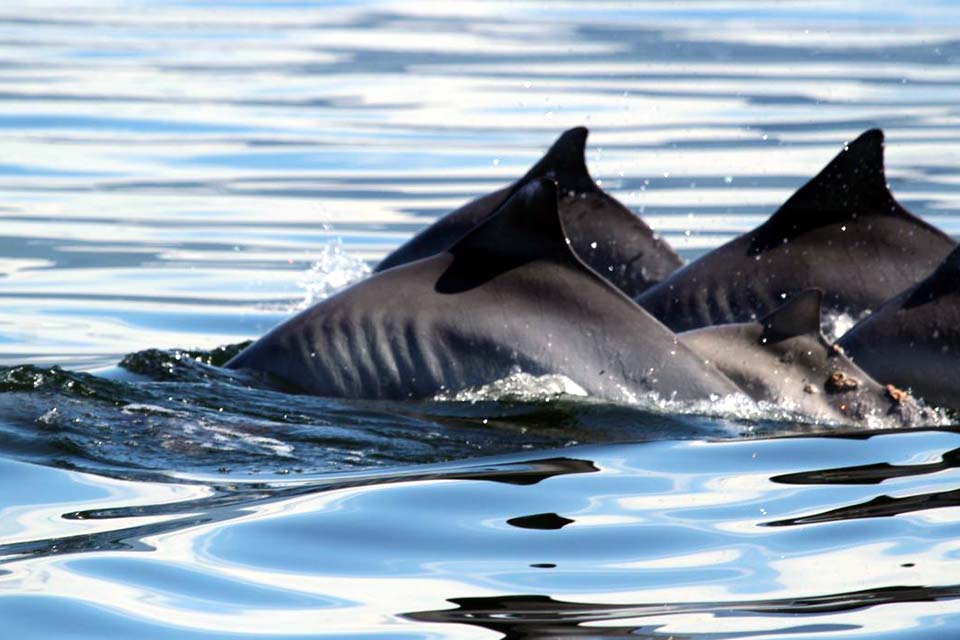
[525, 228]
[852, 185]
[798, 316]
[945, 279]
[528, 223]
[565, 163]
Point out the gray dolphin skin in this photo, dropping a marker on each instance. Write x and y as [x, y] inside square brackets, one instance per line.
[842, 232]
[784, 360]
[510, 295]
[913, 340]
[606, 235]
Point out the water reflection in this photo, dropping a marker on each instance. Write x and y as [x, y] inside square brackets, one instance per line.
[871, 473]
[650, 540]
[528, 617]
[221, 502]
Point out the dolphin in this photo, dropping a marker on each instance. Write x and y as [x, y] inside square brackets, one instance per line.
[606, 235]
[784, 359]
[913, 340]
[509, 296]
[842, 232]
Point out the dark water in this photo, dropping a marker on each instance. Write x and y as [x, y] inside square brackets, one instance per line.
[181, 176]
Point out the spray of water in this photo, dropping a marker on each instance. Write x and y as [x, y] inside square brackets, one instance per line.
[333, 270]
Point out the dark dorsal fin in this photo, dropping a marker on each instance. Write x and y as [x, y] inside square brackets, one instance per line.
[525, 228]
[798, 316]
[565, 163]
[853, 185]
[944, 280]
[527, 224]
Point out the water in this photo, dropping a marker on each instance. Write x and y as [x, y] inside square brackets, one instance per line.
[181, 176]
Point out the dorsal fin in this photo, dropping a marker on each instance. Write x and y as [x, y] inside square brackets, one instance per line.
[798, 316]
[528, 223]
[945, 279]
[526, 227]
[565, 163]
[852, 185]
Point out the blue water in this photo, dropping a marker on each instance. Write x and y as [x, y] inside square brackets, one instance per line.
[179, 176]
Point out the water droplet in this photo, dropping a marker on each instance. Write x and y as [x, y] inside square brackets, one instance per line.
[728, 179]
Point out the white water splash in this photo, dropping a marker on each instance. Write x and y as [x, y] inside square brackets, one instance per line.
[333, 270]
[738, 408]
[836, 324]
[519, 387]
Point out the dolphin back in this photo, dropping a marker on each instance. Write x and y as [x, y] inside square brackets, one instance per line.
[509, 296]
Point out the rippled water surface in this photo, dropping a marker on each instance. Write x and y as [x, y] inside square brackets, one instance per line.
[180, 176]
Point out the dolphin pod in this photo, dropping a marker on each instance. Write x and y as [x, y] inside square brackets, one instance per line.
[606, 235]
[510, 295]
[553, 276]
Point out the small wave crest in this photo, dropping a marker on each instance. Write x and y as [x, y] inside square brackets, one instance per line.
[183, 365]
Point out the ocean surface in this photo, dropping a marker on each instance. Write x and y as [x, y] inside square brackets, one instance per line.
[177, 177]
